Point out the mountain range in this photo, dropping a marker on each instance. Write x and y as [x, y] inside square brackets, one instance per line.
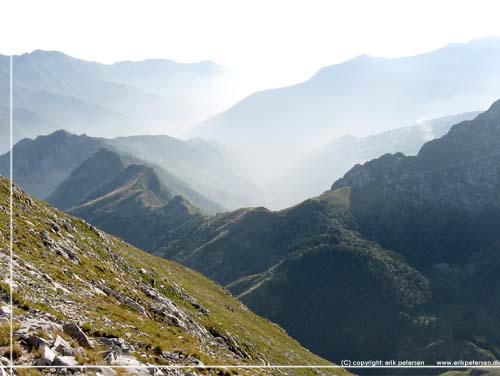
[401, 248]
[211, 168]
[394, 258]
[124, 98]
[363, 96]
[265, 138]
[199, 170]
[127, 199]
[313, 174]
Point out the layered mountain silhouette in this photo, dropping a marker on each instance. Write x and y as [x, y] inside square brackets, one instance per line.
[41, 164]
[208, 167]
[199, 170]
[152, 96]
[124, 174]
[122, 197]
[402, 248]
[362, 96]
[397, 260]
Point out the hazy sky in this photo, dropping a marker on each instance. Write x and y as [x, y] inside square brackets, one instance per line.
[270, 42]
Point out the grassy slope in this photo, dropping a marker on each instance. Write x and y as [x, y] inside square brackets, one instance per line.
[262, 340]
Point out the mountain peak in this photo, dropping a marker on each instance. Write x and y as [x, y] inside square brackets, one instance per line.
[40, 52]
[494, 110]
[93, 171]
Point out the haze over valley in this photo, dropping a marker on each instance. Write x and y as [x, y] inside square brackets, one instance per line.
[179, 215]
[266, 138]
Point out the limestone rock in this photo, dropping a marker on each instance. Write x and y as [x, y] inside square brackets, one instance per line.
[66, 361]
[77, 333]
[63, 347]
[5, 310]
[46, 358]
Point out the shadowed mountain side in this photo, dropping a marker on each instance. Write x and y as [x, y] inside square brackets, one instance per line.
[90, 174]
[41, 164]
[127, 199]
[307, 268]
[440, 205]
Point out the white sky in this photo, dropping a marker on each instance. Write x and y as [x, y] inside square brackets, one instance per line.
[270, 42]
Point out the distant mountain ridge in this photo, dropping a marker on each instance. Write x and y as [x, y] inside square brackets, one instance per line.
[150, 96]
[127, 199]
[363, 96]
[40, 165]
[27, 124]
[208, 167]
[313, 174]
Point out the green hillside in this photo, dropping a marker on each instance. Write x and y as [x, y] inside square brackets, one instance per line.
[161, 313]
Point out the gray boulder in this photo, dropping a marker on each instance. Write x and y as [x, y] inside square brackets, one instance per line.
[77, 333]
[46, 358]
[65, 361]
[63, 347]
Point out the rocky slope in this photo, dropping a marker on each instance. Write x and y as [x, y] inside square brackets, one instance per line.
[84, 297]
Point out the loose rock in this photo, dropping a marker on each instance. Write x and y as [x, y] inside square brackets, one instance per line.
[74, 331]
[66, 361]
